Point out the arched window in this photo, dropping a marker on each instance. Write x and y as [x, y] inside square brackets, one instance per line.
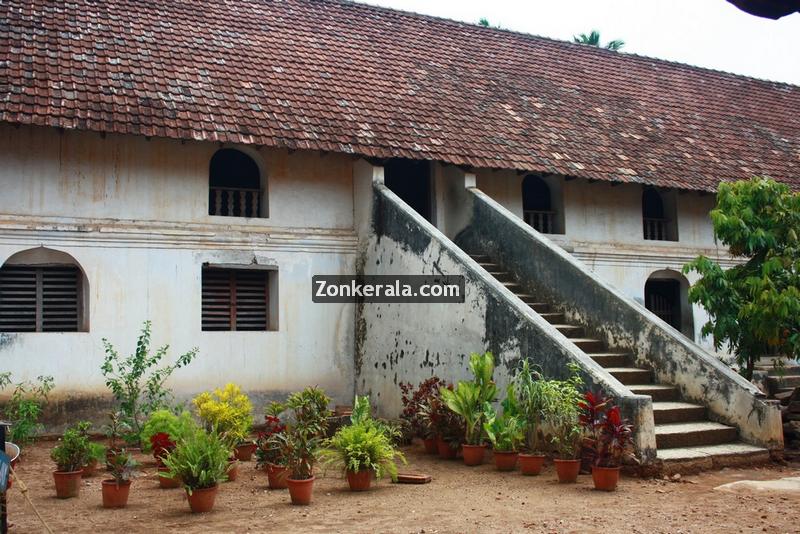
[653, 220]
[537, 208]
[235, 188]
[43, 290]
[666, 295]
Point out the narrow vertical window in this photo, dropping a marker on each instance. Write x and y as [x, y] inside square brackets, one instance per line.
[537, 205]
[235, 299]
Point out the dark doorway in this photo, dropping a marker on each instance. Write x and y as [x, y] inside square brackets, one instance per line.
[537, 209]
[663, 297]
[411, 181]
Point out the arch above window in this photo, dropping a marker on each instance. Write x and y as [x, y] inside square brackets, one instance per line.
[236, 185]
[666, 294]
[538, 206]
[43, 290]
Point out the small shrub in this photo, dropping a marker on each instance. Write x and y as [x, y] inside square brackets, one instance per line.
[166, 422]
[299, 444]
[25, 406]
[227, 412]
[562, 415]
[72, 450]
[506, 432]
[200, 460]
[122, 466]
[468, 398]
[608, 437]
[414, 402]
[268, 452]
[96, 453]
[116, 429]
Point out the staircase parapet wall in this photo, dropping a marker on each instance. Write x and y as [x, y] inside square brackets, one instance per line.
[622, 322]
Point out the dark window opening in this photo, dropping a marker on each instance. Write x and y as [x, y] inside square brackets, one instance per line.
[662, 297]
[235, 299]
[40, 298]
[411, 181]
[537, 208]
[234, 185]
[653, 219]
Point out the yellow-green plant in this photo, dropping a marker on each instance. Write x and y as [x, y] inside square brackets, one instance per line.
[227, 411]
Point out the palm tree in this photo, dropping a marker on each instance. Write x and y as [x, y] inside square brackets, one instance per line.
[593, 39]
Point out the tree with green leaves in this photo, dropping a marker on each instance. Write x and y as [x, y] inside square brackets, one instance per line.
[593, 39]
[754, 307]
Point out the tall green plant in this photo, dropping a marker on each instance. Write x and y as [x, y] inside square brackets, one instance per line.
[137, 382]
[533, 396]
[299, 444]
[469, 397]
[25, 406]
[562, 415]
[506, 432]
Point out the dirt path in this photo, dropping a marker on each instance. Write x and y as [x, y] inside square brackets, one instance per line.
[460, 499]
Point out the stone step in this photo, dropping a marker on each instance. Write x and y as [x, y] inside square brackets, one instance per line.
[480, 258]
[631, 375]
[502, 276]
[589, 345]
[538, 307]
[688, 460]
[776, 383]
[659, 392]
[611, 359]
[570, 330]
[677, 412]
[693, 434]
[553, 317]
[514, 287]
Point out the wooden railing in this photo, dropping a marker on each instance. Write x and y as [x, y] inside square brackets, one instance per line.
[234, 202]
[655, 229]
[541, 221]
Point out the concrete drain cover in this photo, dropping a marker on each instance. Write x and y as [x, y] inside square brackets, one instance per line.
[786, 485]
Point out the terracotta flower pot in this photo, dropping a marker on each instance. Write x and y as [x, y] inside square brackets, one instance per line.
[90, 469]
[505, 460]
[244, 451]
[473, 454]
[605, 478]
[567, 470]
[359, 480]
[68, 483]
[276, 476]
[446, 452]
[202, 500]
[300, 490]
[430, 445]
[166, 482]
[233, 470]
[116, 495]
[531, 464]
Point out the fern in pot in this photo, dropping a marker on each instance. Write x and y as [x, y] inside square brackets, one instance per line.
[200, 462]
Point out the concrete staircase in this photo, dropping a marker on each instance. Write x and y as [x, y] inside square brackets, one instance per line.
[686, 439]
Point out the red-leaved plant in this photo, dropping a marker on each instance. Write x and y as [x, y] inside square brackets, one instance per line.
[416, 404]
[267, 452]
[609, 437]
[162, 445]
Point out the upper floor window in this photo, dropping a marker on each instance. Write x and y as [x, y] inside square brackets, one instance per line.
[235, 185]
[235, 299]
[658, 216]
[537, 205]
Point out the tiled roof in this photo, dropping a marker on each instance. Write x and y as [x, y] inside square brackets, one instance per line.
[337, 76]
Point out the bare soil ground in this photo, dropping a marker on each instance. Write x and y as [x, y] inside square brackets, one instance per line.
[460, 499]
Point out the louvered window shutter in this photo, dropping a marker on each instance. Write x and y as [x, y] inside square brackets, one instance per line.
[234, 299]
[40, 299]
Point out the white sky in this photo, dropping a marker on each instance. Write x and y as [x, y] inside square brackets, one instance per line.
[706, 33]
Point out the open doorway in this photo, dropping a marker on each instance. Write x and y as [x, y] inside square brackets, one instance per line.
[666, 295]
[411, 181]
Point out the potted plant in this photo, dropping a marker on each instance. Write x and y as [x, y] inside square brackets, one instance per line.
[363, 449]
[531, 396]
[608, 437]
[95, 455]
[268, 453]
[444, 425]
[468, 399]
[200, 462]
[115, 431]
[228, 412]
[69, 456]
[163, 429]
[562, 417]
[505, 432]
[415, 406]
[117, 489]
[299, 443]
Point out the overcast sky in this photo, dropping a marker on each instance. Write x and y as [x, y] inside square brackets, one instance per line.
[707, 33]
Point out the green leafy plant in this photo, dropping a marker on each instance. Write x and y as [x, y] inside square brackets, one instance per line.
[116, 429]
[468, 398]
[25, 406]
[754, 306]
[506, 432]
[72, 450]
[365, 444]
[96, 452]
[200, 460]
[137, 382]
[176, 426]
[562, 415]
[299, 444]
[533, 395]
[226, 411]
[439, 420]
[268, 452]
[122, 466]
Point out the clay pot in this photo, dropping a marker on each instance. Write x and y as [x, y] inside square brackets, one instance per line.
[473, 454]
[202, 500]
[68, 483]
[446, 452]
[430, 445]
[233, 470]
[90, 469]
[605, 478]
[276, 476]
[300, 490]
[115, 495]
[505, 460]
[359, 480]
[531, 464]
[166, 482]
[567, 470]
[244, 451]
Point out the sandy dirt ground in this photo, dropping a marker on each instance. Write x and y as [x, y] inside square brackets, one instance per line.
[459, 499]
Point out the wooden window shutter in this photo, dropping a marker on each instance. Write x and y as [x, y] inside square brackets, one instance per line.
[40, 299]
[234, 299]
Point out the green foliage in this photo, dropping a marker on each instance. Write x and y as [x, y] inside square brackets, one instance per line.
[507, 431]
[122, 466]
[562, 414]
[24, 408]
[226, 411]
[137, 382]
[532, 394]
[299, 444]
[593, 39]
[163, 420]
[72, 450]
[200, 460]
[468, 398]
[96, 452]
[366, 444]
[116, 429]
[754, 307]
